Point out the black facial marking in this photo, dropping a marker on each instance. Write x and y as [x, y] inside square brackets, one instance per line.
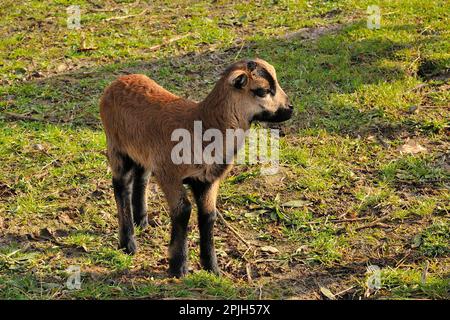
[260, 92]
[251, 65]
[282, 114]
[266, 75]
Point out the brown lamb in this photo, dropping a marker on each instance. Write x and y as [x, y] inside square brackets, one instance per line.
[139, 117]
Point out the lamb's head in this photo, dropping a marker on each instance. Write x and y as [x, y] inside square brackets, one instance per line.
[255, 87]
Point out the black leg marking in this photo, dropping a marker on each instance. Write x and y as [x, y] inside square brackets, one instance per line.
[122, 182]
[205, 196]
[138, 199]
[208, 256]
[178, 249]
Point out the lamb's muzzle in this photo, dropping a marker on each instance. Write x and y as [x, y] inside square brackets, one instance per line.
[139, 117]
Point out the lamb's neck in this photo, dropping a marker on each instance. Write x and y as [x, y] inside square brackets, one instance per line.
[220, 111]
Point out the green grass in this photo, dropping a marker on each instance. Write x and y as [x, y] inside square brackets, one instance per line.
[113, 259]
[414, 170]
[212, 285]
[435, 240]
[403, 284]
[360, 95]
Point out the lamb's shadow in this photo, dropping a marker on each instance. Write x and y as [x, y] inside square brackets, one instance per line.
[41, 241]
[44, 242]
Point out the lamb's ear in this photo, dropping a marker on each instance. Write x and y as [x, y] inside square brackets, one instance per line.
[238, 79]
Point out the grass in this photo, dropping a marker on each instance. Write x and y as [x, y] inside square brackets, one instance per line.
[411, 284]
[360, 96]
[414, 169]
[435, 240]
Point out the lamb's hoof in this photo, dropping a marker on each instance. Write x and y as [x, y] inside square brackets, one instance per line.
[142, 222]
[178, 272]
[129, 245]
[215, 271]
[210, 264]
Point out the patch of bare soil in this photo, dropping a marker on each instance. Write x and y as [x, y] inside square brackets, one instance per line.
[6, 191]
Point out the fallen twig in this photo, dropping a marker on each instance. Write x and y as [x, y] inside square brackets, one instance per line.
[340, 220]
[246, 251]
[402, 259]
[83, 48]
[169, 41]
[49, 164]
[268, 260]
[127, 16]
[419, 86]
[371, 225]
[423, 277]
[233, 230]
[377, 223]
[349, 220]
[344, 291]
[248, 269]
[105, 10]
[240, 49]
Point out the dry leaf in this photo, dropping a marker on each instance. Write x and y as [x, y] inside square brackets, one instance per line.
[61, 67]
[411, 146]
[64, 218]
[301, 249]
[327, 293]
[38, 147]
[295, 204]
[269, 249]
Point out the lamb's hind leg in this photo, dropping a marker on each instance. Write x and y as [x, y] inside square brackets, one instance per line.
[139, 199]
[122, 166]
[180, 211]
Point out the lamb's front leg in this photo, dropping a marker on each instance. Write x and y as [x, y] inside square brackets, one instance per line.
[205, 195]
[180, 211]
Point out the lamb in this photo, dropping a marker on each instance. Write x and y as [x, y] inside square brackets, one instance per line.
[139, 117]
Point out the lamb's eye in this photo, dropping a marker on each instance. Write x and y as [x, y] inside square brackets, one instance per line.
[260, 92]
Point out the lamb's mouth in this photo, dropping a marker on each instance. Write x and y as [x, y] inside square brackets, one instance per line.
[282, 114]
